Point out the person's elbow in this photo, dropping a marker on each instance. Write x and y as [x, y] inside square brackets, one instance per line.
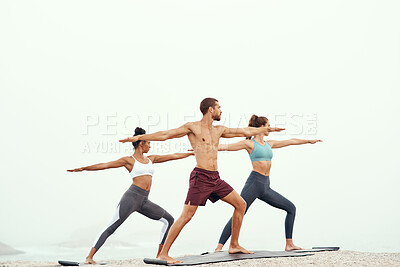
[246, 134]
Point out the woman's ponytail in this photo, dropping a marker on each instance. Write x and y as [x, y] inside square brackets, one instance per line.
[256, 121]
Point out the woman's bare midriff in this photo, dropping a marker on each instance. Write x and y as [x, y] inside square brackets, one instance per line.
[143, 182]
[262, 167]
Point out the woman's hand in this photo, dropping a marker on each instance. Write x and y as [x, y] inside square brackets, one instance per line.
[275, 129]
[314, 141]
[130, 139]
[76, 170]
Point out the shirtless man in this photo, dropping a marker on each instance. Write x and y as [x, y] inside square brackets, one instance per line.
[205, 182]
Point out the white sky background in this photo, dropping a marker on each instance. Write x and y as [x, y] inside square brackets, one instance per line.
[62, 61]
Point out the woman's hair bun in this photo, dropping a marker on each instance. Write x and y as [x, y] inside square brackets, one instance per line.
[139, 131]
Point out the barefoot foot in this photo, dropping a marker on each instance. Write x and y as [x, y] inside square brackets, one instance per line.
[90, 261]
[239, 249]
[219, 247]
[168, 259]
[292, 247]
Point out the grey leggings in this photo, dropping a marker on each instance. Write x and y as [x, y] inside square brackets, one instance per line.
[257, 186]
[135, 199]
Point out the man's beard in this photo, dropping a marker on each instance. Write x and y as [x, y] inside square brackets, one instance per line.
[217, 118]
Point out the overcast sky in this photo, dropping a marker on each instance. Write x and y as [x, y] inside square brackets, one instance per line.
[76, 76]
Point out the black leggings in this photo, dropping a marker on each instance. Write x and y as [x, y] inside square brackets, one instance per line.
[257, 186]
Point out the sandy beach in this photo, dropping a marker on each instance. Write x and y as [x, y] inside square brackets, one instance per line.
[334, 258]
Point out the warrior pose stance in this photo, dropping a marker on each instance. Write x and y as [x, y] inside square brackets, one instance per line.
[141, 170]
[257, 185]
[205, 182]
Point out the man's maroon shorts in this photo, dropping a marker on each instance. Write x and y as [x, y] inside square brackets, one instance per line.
[205, 185]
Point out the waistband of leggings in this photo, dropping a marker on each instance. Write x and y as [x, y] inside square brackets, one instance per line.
[205, 171]
[138, 190]
[257, 175]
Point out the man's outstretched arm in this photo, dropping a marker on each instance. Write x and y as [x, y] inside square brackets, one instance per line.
[248, 131]
[161, 135]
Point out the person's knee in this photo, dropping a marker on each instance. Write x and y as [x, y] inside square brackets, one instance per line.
[241, 205]
[189, 216]
[292, 209]
[169, 218]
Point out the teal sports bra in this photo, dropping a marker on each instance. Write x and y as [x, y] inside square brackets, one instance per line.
[261, 152]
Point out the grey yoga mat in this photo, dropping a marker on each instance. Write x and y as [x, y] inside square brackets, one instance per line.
[225, 256]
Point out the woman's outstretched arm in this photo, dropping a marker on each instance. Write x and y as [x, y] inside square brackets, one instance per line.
[290, 142]
[245, 144]
[102, 166]
[164, 158]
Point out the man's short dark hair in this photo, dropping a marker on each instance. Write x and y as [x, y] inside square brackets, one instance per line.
[206, 103]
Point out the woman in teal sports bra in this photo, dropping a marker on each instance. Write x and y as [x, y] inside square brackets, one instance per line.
[257, 185]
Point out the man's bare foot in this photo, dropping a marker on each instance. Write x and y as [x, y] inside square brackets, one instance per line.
[292, 247]
[168, 259]
[219, 247]
[90, 261]
[239, 249]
